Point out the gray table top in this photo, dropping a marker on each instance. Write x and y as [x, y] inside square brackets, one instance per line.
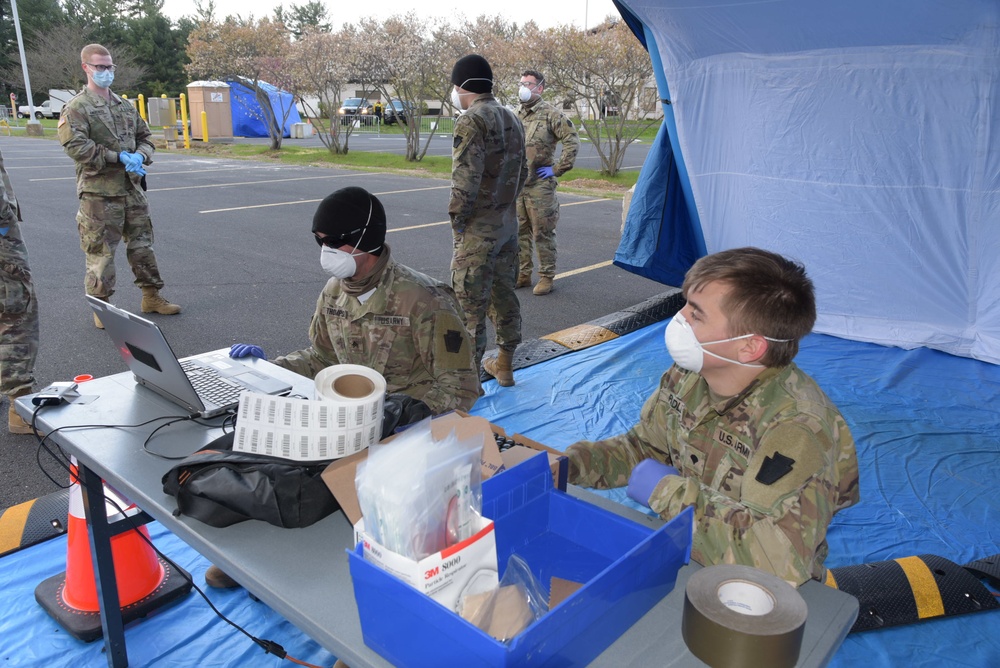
[303, 573]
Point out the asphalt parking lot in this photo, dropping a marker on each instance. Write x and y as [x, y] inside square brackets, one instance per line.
[234, 246]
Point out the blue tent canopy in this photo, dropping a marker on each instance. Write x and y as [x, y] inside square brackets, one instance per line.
[861, 137]
[248, 120]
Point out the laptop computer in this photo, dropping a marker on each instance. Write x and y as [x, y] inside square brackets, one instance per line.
[205, 385]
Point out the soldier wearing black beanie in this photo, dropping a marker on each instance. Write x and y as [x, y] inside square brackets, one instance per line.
[473, 73]
[354, 217]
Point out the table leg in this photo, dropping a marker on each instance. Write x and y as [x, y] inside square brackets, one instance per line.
[100, 533]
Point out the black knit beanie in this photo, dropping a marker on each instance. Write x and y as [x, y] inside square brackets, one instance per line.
[343, 214]
[473, 73]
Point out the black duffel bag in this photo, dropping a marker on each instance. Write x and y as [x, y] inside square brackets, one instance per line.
[221, 487]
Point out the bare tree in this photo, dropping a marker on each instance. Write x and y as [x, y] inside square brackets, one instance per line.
[54, 62]
[246, 51]
[319, 66]
[607, 69]
[407, 58]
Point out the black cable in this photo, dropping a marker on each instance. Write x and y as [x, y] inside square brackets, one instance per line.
[269, 646]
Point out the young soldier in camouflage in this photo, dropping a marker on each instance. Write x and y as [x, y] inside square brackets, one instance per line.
[736, 429]
[537, 207]
[488, 170]
[110, 144]
[18, 309]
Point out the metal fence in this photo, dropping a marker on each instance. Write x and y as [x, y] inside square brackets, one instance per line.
[373, 125]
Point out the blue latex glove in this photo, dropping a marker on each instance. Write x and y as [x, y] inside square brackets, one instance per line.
[133, 162]
[545, 172]
[645, 477]
[4, 231]
[246, 350]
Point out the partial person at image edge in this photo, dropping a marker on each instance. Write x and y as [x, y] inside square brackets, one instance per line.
[736, 429]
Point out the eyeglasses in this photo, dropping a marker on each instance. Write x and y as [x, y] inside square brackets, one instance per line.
[102, 68]
[329, 242]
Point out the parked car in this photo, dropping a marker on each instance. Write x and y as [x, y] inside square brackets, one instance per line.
[397, 110]
[47, 109]
[354, 107]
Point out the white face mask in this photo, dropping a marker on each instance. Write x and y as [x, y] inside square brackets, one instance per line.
[524, 94]
[688, 352]
[338, 263]
[456, 100]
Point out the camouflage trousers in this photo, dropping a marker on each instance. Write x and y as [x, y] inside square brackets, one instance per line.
[103, 222]
[537, 215]
[18, 316]
[483, 273]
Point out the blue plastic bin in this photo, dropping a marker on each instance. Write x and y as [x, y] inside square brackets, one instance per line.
[626, 567]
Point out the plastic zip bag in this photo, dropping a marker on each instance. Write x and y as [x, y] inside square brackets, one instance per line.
[513, 606]
[418, 495]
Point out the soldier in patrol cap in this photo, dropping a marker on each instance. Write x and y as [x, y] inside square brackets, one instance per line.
[487, 173]
[111, 146]
[736, 429]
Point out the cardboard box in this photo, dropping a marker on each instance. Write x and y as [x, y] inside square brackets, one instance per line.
[339, 475]
[625, 568]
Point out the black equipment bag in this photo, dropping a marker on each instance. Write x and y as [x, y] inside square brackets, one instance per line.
[221, 487]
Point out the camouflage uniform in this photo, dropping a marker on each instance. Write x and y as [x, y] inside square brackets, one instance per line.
[765, 470]
[537, 207]
[93, 132]
[410, 330]
[19, 308]
[488, 170]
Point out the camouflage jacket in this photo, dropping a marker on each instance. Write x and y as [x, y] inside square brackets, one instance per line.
[93, 132]
[765, 470]
[10, 212]
[544, 127]
[488, 168]
[409, 330]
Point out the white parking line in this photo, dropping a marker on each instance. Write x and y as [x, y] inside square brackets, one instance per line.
[186, 171]
[308, 201]
[574, 272]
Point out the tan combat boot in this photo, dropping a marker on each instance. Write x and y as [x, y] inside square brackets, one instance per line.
[15, 423]
[523, 281]
[544, 286]
[97, 321]
[152, 302]
[501, 367]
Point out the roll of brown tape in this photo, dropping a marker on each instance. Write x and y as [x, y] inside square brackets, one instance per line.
[741, 617]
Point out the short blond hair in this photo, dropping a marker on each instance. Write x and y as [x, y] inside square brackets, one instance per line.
[92, 50]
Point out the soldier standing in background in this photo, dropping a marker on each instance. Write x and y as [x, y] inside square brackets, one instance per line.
[18, 310]
[537, 207]
[736, 429]
[110, 144]
[488, 171]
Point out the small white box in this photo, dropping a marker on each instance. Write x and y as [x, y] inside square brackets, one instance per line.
[446, 576]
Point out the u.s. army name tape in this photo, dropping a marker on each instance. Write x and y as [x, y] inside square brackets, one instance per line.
[736, 616]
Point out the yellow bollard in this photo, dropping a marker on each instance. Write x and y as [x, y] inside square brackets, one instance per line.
[184, 121]
[142, 107]
[204, 126]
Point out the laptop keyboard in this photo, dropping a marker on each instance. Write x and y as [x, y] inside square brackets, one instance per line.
[210, 386]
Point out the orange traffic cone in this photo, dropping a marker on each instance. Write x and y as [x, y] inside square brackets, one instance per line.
[145, 582]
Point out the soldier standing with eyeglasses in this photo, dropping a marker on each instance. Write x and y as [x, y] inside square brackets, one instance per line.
[111, 145]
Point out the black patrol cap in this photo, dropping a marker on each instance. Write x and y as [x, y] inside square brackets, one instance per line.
[344, 214]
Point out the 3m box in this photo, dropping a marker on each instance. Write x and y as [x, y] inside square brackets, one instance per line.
[625, 568]
[444, 576]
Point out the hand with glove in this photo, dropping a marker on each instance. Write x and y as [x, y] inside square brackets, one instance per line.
[545, 172]
[133, 162]
[238, 350]
[645, 477]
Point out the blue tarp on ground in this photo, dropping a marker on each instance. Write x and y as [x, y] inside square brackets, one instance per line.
[861, 137]
[928, 445]
[248, 120]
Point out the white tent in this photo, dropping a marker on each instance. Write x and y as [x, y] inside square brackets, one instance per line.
[861, 137]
